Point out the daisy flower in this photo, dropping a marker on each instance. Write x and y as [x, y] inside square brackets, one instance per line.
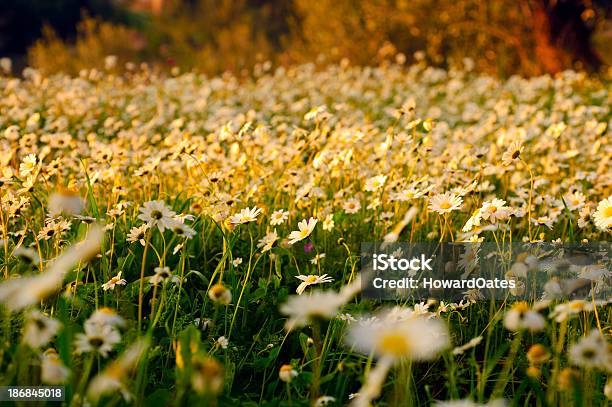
[591, 352]
[473, 221]
[27, 255]
[157, 214]
[182, 230]
[574, 200]
[28, 166]
[393, 340]
[375, 183]
[222, 342]
[445, 203]
[52, 369]
[267, 241]
[106, 316]
[407, 194]
[245, 216]
[18, 293]
[97, 338]
[317, 259]
[206, 375]
[114, 281]
[219, 293]
[513, 153]
[302, 310]
[537, 354]
[567, 310]
[311, 280]
[67, 202]
[328, 223]
[287, 373]
[138, 234]
[521, 317]
[543, 221]
[351, 206]
[112, 379]
[39, 329]
[305, 228]
[162, 274]
[278, 217]
[603, 215]
[494, 210]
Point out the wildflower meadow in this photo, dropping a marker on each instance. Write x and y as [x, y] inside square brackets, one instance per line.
[177, 239]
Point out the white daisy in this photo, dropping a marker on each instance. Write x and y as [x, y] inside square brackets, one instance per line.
[445, 203]
[311, 280]
[114, 281]
[39, 329]
[591, 352]
[305, 228]
[375, 183]
[603, 215]
[157, 214]
[521, 317]
[245, 216]
[98, 338]
[278, 217]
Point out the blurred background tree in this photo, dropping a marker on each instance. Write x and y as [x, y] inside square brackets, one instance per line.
[501, 37]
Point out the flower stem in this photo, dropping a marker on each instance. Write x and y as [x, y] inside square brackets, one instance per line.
[141, 288]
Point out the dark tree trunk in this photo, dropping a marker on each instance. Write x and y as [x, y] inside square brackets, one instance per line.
[562, 33]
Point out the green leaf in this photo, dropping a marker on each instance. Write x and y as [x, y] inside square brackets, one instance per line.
[159, 398]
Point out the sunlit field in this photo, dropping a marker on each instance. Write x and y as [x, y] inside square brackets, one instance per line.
[177, 239]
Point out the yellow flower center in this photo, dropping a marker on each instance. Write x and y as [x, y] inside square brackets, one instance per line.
[286, 368]
[394, 344]
[576, 305]
[521, 307]
[445, 205]
[311, 279]
[607, 212]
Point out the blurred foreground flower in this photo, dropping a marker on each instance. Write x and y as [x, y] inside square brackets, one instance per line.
[592, 352]
[219, 293]
[318, 305]
[65, 201]
[97, 338]
[413, 338]
[113, 377]
[39, 329]
[53, 370]
[521, 317]
[287, 373]
[18, 293]
[395, 336]
[207, 375]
